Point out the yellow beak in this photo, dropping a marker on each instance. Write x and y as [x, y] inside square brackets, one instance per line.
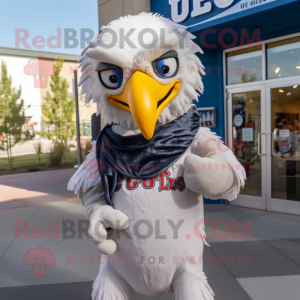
[145, 98]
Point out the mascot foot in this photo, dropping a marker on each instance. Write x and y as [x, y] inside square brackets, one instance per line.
[109, 285]
[191, 286]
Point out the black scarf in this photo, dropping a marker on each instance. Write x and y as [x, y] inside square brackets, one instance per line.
[136, 157]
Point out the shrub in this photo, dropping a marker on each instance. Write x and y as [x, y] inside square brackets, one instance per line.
[56, 154]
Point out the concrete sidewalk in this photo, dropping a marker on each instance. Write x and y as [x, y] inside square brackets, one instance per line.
[19, 190]
[260, 264]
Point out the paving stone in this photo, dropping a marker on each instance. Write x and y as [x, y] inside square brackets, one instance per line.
[74, 291]
[260, 259]
[212, 269]
[272, 288]
[228, 289]
[290, 248]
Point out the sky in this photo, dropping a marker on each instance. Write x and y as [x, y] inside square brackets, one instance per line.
[43, 19]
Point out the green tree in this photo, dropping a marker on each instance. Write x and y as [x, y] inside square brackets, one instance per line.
[59, 108]
[12, 114]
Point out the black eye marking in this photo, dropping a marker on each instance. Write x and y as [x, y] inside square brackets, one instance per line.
[111, 76]
[167, 65]
[168, 54]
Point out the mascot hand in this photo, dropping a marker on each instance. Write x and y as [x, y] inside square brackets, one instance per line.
[104, 217]
[210, 174]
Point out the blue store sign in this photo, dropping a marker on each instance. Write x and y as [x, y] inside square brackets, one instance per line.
[199, 14]
[202, 7]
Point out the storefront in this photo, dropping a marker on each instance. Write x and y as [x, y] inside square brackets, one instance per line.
[252, 62]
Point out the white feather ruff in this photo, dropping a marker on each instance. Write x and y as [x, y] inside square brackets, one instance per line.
[87, 175]
[138, 58]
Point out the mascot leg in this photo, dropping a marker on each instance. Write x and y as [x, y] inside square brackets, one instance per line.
[109, 285]
[191, 286]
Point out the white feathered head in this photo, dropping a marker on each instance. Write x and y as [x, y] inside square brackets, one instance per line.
[142, 71]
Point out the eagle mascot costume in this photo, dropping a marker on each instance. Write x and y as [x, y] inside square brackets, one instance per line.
[143, 182]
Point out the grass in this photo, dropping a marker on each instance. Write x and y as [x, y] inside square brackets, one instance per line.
[31, 161]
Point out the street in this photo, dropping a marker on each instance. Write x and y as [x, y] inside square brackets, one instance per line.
[27, 148]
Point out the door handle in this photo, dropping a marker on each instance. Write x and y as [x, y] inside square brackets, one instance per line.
[259, 144]
[274, 134]
[270, 144]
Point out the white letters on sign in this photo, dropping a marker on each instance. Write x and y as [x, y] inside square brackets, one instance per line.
[174, 10]
[201, 7]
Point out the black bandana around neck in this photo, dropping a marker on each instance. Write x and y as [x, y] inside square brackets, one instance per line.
[136, 157]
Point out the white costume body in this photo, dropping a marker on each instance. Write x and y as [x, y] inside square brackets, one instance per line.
[154, 265]
[159, 262]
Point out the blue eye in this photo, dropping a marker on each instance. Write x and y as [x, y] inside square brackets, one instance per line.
[166, 68]
[110, 76]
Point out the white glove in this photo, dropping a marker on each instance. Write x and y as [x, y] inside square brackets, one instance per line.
[101, 216]
[210, 174]
[104, 217]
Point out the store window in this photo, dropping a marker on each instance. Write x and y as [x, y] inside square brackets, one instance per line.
[283, 58]
[246, 113]
[244, 65]
[286, 142]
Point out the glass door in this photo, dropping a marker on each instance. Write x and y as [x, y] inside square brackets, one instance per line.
[283, 157]
[247, 139]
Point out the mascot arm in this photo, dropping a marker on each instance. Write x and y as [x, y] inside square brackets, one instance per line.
[102, 216]
[87, 185]
[212, 169]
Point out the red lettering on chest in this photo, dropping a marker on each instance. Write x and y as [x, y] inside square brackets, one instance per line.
[132, 184]
[148, 183]
[165, 183]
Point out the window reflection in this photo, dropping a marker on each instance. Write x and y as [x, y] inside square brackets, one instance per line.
[286, 135]
[244, 66]
[283, 58]
[246, 114]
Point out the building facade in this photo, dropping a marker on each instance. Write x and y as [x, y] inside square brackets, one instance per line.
[109, 10]
[32, 71]
[252, 63]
